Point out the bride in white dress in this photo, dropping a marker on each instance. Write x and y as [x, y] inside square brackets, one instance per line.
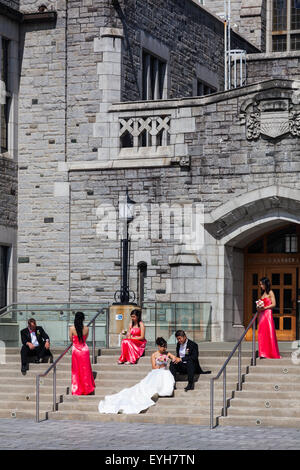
[135, 399]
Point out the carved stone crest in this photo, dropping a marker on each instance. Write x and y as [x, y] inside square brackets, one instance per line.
[271, 115]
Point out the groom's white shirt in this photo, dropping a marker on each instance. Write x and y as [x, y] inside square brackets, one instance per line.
[182, 349]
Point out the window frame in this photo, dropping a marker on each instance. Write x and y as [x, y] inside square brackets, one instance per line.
[288, 32]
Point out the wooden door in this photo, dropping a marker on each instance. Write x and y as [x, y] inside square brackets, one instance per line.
[283, 283]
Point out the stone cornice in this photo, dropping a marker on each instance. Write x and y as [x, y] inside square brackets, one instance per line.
[23, 17]
[11, 13]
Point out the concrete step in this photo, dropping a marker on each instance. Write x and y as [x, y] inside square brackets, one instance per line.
[279, 377]
[269, 402]
[133, 418]
[271, 386]
[267, 394]
[256, 411]
[275, 369]
[90, 402]
[30, 389]
[25, 405]
[244, 420]
[28, 397]
[21, 414]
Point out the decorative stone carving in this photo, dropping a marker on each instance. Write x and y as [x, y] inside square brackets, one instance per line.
[271, 115]
[295, 123]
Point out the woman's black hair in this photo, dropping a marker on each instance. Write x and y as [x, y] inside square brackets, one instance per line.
[266, 282]
[161, 342]
[138, 313]
[78, 323]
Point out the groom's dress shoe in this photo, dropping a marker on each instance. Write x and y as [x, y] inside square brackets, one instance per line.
[189, 387]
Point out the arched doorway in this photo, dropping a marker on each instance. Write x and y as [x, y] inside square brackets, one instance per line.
[276, 256]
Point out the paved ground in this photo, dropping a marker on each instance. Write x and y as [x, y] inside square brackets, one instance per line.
[25, 434]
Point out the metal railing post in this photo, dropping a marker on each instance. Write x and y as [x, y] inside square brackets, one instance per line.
[37, 400]
[240, 367]
[107, 327]
[54, 388]
[223, 369]
[212, 403]
[253, 345]
[94, 342]
[224, 394]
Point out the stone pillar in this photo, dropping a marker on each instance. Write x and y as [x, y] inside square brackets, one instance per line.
[109, 70]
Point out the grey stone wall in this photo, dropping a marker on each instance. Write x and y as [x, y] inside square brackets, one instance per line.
[248, 17]
[192, 36]
[8, 192]
[273, 65]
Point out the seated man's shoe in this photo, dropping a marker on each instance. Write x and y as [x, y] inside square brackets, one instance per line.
[189, 387]
[37, 361]
[24, 369]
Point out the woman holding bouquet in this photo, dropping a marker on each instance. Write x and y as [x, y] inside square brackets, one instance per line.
[267, 341]
[133, 347]
[158, 382]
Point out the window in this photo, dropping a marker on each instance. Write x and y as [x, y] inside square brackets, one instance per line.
[204, 89]
[5, 95]
[285, 25]
[284, 240]
[142, 274]
[154, 73]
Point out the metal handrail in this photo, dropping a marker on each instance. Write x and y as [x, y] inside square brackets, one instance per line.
[24, 308]
[4, 310]
[223, 370]
[53, 366]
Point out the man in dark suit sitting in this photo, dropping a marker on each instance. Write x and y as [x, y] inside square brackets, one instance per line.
[187, 361]
[35, 342]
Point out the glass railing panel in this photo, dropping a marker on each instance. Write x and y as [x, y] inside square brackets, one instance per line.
[54, 318]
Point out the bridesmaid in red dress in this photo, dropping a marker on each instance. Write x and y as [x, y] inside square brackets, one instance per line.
[267, 341]
[82, 376]
[133, 347]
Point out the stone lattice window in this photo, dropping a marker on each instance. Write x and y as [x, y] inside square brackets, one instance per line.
[5, 95]
[285, 25]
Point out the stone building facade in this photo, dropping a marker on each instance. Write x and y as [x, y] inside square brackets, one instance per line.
[108, 99]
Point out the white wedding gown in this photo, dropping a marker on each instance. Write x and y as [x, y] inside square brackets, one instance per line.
[138, 398]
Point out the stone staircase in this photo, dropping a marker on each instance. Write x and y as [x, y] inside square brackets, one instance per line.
[270, 395]
[17, 392]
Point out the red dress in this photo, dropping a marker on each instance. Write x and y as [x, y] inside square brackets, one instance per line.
[267, 341]
[82, 376]
[132, 349]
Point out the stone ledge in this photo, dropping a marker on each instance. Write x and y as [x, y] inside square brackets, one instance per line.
[119, 164]
[111, 32]
[184, 259]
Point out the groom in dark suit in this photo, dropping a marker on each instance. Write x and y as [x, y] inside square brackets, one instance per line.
[35, 342]
[187, 361]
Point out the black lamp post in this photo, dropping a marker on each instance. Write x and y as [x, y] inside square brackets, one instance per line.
[126, 215]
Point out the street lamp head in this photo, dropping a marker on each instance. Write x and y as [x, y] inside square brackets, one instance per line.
[126, 208]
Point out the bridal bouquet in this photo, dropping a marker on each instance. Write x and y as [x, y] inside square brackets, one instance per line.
[124, 332]
[260, 303]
